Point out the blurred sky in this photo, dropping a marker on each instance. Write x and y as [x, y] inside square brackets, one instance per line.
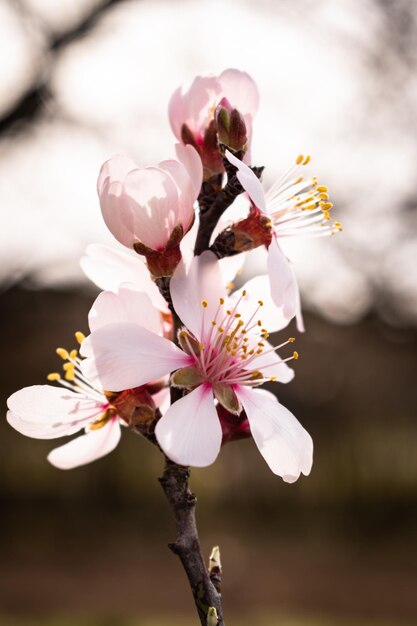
[337, 80]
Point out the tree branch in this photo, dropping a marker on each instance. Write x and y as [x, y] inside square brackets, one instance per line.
[174, 482]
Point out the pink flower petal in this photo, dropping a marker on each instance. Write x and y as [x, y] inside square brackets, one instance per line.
[115, 169]
[190, 432]
[284, 288]
[87, 448]
[241, 90]
[116, 213]
[127, 305]
[189, 157]
[152, 198]
[249, 182]
[185, 189]
[202, 280]
[38, 430]
[109, 267]
[162, 399]
[125, 355]
[285, 445]
[192, 106]
[52, 407]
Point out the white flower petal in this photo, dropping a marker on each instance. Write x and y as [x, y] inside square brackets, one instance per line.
[284, 287]
[285, 445]
[162, 399]
[109, 267]
[190, 432]
[125, 355]
[37, 430]
[249, 182]
[87, 448]
[127, 305]
[201, 280]
[50, 411]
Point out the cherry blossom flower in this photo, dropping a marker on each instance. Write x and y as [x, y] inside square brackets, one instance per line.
[223, 358]
[192, 111]
[153, 206]
[296, 206]
[49, 412]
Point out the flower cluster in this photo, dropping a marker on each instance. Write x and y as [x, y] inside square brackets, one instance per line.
[175, 351]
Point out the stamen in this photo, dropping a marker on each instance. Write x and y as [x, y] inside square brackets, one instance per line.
[53, 376]
[62, 353]
[79, 336]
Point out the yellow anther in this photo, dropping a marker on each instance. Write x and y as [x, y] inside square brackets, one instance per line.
[201, 346]
[307, 159]
[295, 355]
[259, 323]
[299, 159]
[79, 336]
[221, 300]
[228, 312]
[322, 188]
[260, 303]
[240, 323]
[326, 206]
[244, 333]
[299, 179]
[323, 196]
[338, 226]
[53, 376]
[68, 366]
[244, 293]
[220, 329]
[229, 286]
[260, 344]
[62, 353]
[73, 354]
[273, 379]
[326, 215]
[259, 351]
[265, 335]
[237, 315]
[213, 322]
[252, 351]
[183, 334]
[70, 375]
[291, 339]
[204, 304]
[245, 338]
[243, 357]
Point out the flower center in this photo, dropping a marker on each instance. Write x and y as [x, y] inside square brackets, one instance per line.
[297, 203]
[230, 348]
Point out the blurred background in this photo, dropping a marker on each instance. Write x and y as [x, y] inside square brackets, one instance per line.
[81, 80]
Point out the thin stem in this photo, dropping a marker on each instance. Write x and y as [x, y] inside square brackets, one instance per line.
[174, 482]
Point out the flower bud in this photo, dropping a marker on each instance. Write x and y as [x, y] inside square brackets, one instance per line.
[231, 127]
[150, 209]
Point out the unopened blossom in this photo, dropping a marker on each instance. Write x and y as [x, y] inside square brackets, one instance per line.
[223, 358]
[296, 206]
[79, 403]
[192, 112]
[150, 209]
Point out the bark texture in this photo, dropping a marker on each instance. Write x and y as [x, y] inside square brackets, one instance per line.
[174, 482]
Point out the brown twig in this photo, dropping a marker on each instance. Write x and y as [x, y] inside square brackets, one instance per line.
[174, 482]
